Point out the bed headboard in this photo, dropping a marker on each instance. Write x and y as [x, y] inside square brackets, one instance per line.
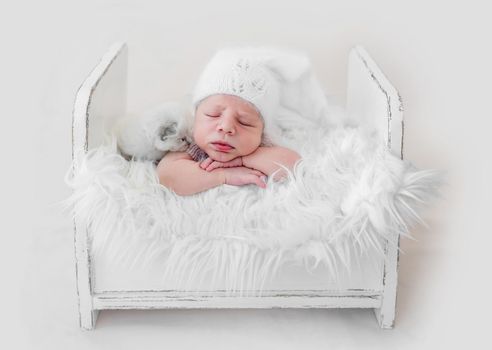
[100, 100]
[373, 101]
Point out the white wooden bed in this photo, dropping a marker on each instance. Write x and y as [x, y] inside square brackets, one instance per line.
[101, 286]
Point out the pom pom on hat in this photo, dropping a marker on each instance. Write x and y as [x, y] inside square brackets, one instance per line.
[256, 74]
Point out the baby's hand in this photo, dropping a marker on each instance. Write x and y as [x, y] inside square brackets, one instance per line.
[209, 164]
[241, 175]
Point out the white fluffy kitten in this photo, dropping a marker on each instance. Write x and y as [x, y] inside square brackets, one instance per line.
[150, 135]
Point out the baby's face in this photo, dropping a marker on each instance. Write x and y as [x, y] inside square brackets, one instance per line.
[227, 127]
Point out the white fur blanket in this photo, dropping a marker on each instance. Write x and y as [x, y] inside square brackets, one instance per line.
[347, 194]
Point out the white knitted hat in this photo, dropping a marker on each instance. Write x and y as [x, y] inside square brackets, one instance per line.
[257, 75]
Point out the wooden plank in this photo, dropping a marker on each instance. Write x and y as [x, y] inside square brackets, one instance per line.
[374, 102]
[386, 313]
[86, 103]
[222, 293]
[218, 299]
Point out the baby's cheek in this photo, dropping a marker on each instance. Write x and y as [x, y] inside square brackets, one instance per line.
[250, 149]
[199, 142]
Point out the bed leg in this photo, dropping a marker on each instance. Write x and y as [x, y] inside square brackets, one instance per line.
[87, 314]
[386, 313]
[385, 317]
[88, 319]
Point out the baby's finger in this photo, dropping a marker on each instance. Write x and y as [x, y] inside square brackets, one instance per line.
[213, 166]
[253, 179]
[259, 182]
[205, 163]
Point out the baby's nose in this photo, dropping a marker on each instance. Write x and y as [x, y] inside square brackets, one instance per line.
[226, 126]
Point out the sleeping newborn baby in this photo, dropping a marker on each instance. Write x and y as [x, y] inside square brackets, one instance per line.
[235, 137]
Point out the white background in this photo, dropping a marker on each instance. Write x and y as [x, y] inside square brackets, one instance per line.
[438, 55]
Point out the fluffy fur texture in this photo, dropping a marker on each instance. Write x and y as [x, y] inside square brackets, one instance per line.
[347, 195]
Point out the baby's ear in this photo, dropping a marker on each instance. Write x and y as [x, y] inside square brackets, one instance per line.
[289, 66]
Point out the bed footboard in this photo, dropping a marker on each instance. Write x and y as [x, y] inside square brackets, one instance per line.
[373, 102]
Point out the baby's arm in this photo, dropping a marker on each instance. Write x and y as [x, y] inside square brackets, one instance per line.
[180, 173]
[210, 164]
[264, 159]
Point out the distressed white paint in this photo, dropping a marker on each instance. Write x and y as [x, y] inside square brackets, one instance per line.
[371, 97]
[268, 299]
[386, 313]
[102, 98]
[373, 101]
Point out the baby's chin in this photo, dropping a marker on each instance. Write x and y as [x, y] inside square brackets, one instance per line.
[222, 156]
